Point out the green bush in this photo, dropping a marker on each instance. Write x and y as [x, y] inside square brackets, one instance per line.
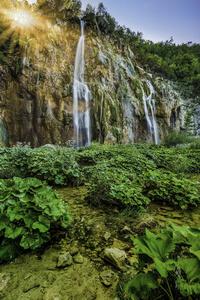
[28, 209]
[167, 188]
[123, 157]
[116, 188]
[14, 161]
[195, 144]
[175, 138]
[56, 165]
[168, 265]
[177, 160]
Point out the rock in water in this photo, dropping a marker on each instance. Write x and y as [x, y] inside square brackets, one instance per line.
[78, 258]
[64, 260]
[116, 257]
[108, 277]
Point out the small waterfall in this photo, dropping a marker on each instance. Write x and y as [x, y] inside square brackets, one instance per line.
[129, 69]
[131, 53]
[152, 127]
[101, 111]
[149, 125]
[24, 59]
[153, 107]
[81, 99]
[120, 45]
[3, 134]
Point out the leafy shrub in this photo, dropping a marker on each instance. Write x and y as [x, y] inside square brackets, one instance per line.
[56, 165]
[195, 144]
[123, 157]
[116, 188]
[119, 187]
[14, 161]
[168, 263]
[28, 208]
[175, 138]
[168, 188]
[177, 159]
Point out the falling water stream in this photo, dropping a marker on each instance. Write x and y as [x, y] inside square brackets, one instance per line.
[152, 127]
[151, 101]
[81, 99]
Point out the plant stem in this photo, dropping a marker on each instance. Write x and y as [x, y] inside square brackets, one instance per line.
[160, 297]
[169, 289]
[166, 292]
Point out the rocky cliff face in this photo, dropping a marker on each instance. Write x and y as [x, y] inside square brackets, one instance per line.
[36, 103]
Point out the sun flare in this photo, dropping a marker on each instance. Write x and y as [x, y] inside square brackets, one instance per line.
[22, 18]
[22, 24]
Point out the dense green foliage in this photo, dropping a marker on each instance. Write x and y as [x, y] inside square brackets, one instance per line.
[56, 165]
[168, 265]
[28, 210]
[177, 62]
[119, 188]
[175, 138]
[181, 159]
[122, 175]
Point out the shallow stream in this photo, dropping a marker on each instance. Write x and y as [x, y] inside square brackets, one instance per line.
[36, 276]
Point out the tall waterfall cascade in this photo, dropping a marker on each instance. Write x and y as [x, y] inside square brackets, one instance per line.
[149, 105]
[81, 97]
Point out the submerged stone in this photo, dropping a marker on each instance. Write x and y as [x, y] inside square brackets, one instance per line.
[78, 258]
[116, 257]
[64, 260]
[108, 277]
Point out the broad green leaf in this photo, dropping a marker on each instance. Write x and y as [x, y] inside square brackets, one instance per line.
[4, 222]
[141, 284]
[156, 247]
[191, 266]
[27, 241]
[9, 249]
[13, 233]
[195, 249]
[34, 241]
[43, 225]
[184, 234]
[164, 267]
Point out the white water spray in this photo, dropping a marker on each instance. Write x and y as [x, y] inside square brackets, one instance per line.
[152, 127]
[153, 107]
[81, 97]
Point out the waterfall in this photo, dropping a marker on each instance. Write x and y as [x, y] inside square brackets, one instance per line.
[3, 134]
[24, 59]
[101, 110]
[101, 113]
[81, 93]
[152, 127]
[153, 107]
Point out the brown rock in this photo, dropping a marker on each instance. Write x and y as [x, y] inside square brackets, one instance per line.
[64, 260]
[108, 277]
[116, 257]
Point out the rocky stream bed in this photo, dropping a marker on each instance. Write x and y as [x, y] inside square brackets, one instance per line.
[86, 260]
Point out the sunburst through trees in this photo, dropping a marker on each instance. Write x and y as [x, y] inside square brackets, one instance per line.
[22, 24]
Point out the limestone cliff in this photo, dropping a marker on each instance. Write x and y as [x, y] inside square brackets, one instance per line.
[36, 97]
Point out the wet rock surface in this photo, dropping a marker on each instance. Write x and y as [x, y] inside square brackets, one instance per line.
[45, 275]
